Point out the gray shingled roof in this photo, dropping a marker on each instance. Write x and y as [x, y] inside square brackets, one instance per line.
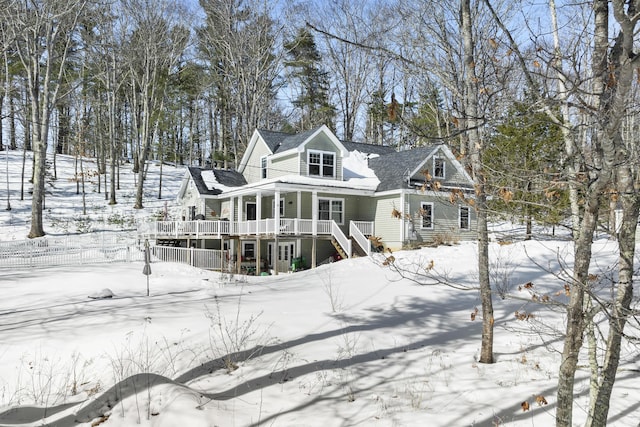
[272, 138]
[294, 140]
[228, 178]
[390, 168]
[282, 141]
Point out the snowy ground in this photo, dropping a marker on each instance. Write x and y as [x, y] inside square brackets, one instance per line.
[345, 344]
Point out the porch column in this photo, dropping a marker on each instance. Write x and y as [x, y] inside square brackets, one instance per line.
[238, 256]
[298, 209]
[258, 211]
[313, 252]
[258, 262]
[240, 215]
[276, 214]
[314, 213]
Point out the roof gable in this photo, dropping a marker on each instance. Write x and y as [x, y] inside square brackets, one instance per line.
[394, 169]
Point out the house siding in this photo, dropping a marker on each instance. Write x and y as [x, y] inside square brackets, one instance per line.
[190, 198]
[387, 228]
[445, 219]
[285, 165]
[321, 143]
[253, 167]
[453, 176]
[212, 209]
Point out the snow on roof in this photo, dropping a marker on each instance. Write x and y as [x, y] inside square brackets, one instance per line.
[356, 166]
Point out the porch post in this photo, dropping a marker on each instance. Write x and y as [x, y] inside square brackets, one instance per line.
[314, 227]
[276, 255]
[258, 263]
[313, 252]
[258, 211]
[240, 215]
[238, 256]
[276, 213]
[314, 213]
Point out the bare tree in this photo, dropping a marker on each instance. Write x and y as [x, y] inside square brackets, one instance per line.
[239, 41]
[43, 33]
[157, 40]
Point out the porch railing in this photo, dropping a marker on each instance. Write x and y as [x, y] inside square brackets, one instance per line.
[357, 230]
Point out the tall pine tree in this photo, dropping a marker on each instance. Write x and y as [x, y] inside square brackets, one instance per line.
[312, 82]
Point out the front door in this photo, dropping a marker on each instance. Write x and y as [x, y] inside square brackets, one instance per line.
[283, 256]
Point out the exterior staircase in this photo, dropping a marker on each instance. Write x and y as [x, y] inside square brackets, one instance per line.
[339, 249]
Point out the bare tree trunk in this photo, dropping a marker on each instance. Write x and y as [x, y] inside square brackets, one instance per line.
[475, 153]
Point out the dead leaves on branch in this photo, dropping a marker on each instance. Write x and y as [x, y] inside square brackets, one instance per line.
[540, 400]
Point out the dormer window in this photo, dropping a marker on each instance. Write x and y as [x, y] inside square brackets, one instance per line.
[438, 167]
[321, 163]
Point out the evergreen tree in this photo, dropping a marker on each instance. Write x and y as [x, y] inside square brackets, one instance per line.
[312, 100]
[524, 157]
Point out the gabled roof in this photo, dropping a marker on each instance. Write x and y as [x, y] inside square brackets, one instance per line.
[392, 169]
[273, 139]
[217, 181]
[291, 141]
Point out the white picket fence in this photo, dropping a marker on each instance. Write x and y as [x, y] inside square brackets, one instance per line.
[98, 248]
[206, 259]
[93, 248]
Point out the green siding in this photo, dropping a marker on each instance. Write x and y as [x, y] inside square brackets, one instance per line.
[388, 228]
[321, 143]
[453, 176]
[445, 219]
[285, 165]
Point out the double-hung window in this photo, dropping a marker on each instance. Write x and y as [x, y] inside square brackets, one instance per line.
[321, 163]
[263, 167]
[426, 214]
[464, 217]
[331, 209]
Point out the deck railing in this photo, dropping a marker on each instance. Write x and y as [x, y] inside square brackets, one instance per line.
[359, 230]
[356, 232]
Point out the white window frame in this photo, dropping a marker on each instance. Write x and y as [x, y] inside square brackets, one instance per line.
[320, 165]
[444, 166]
[460, 209]
[263, 167]
[331, 211]
[421, 216]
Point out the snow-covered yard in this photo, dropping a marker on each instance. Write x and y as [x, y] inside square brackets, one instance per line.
[349, 343]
